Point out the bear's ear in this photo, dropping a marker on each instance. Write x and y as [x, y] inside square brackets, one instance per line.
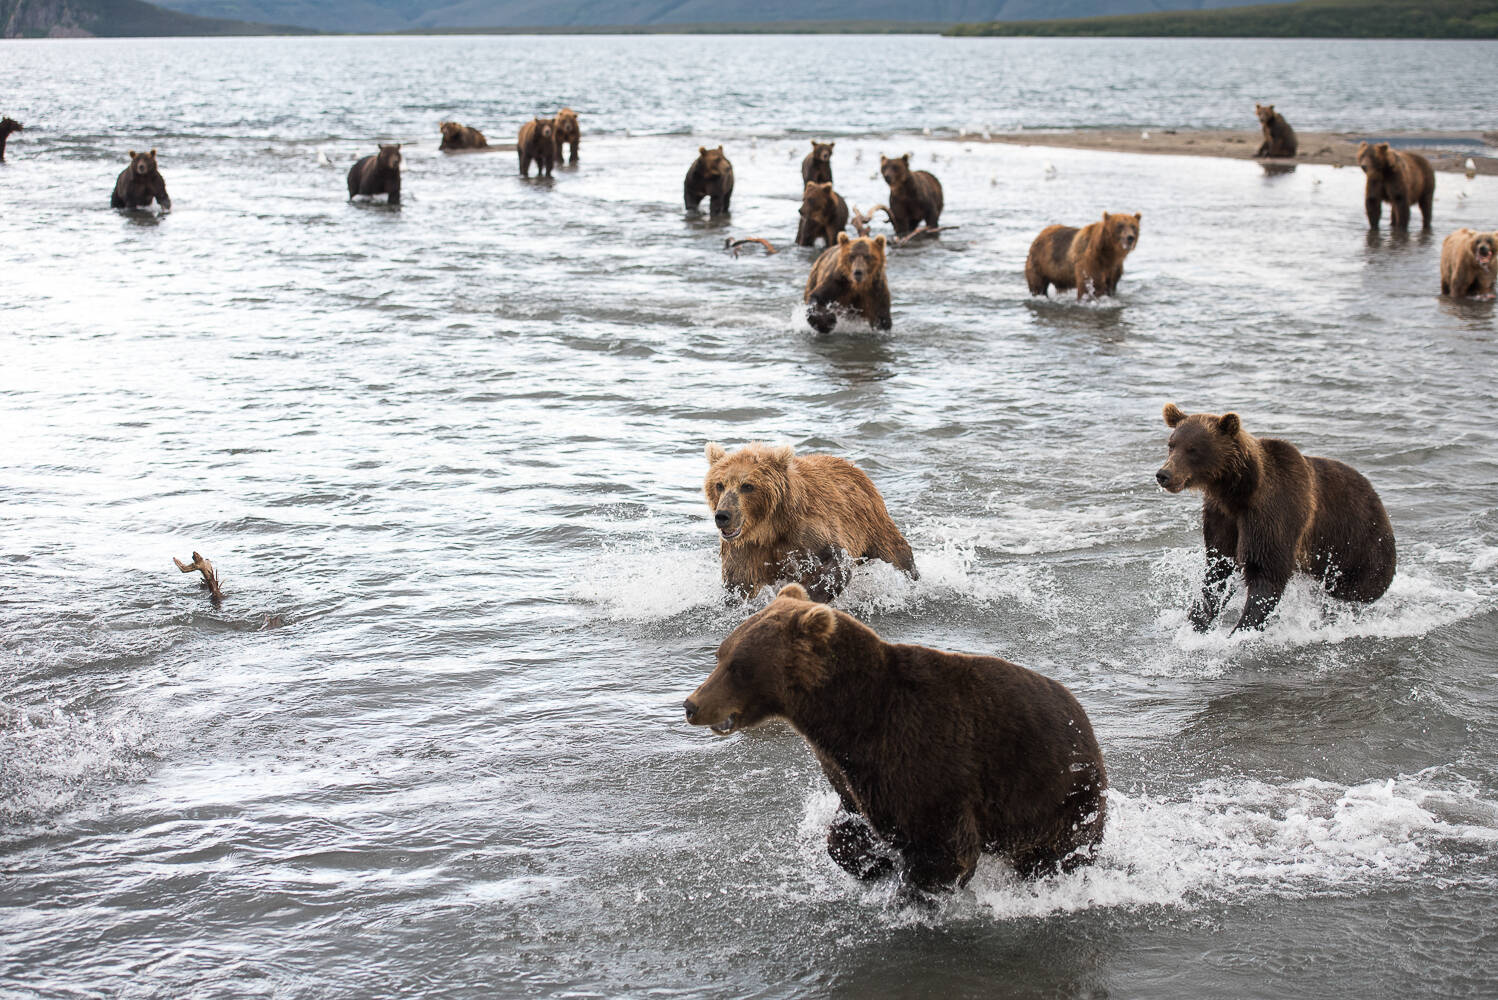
[883, 159]
[879, 242]
[714, 451]
[701, 150]
[842, 239]
[782, 454]
[1269, 108]
[1173, 415]
[831, 144]
[1105, 217]
[153, 154]
[1137, 217]
[795, 592]
[817, 622]
[720, 148]
[1383, 147]
[1258, 107]
[131, 154]
[814, 144]
[1228, 424]
[905, 159]
[1362, 148]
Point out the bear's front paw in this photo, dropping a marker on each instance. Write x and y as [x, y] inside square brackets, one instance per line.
[821, 320]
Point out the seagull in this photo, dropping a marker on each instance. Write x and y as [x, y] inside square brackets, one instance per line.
[1050, 171]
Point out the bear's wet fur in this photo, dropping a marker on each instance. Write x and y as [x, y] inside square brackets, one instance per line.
[823, 214]
[1467, 264]
[537, 141]
[139, 184]
[7, 126]
[1271, 511]
[848, 275]
[915, 197]
[936, 757]
[1401, 179]
[710, 176]
[783, 516]
[1089, 259]
[569, 133]
[455, 136]
[1279, 137]
[818, 163]
[378, 173]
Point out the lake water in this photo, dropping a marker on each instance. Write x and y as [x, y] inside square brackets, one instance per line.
[448, 461]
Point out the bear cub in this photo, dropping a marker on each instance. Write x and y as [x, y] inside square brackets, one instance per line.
[139, 184]
[848, 275]
[936, 757]
[800, 517]
[817, 167]
[569, 133]
[915, 197]
[823, 213]
[537, 142]
[1401, 179]
[1089, 259]
[378, 173]
[1279, 137]
[1467, 264]
[710, 176]
[1271, 511]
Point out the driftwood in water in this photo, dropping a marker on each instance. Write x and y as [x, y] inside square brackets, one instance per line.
[210, 578]
[732, 245]
[861, 220]
[923, 231]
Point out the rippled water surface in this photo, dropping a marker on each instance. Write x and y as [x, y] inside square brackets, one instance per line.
[447, 459]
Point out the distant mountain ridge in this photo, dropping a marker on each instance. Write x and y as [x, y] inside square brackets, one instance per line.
[403, 15]
[117, 19]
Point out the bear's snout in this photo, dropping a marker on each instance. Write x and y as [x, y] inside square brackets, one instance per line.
[691, 709]
[721, 517]
[1163, 478]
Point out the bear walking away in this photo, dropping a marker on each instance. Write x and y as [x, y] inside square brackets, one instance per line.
[936, 757]
[7, 126]
[848, 275]
[1279, 137]
[914, 195]
[1270, 511]
[823, 213]
[139, 184]
[710, 176]
[537, 142]
[1467, 264]
[1089, 259]
[569, 133]
[378, 173]
[818, 163]
[799, 517]
[1401, 179]
[455, 136]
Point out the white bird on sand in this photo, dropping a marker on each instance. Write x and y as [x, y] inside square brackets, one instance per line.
[926, 131]
[1470, 168]
[1144, 135]
[322, 159]
[1050, 171]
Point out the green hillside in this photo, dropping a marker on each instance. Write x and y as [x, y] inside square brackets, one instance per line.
[117, 19]
[1305, 19]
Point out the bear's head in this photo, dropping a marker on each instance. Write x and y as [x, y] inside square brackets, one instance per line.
[822, 151]
[1201, 448]
[712, 161]
[1482, 247]
[1375, 159]
[896, 171]
[546, 128]
[765, 663]
[566, 121]
[1265, 113]
[451, 131]
[1122, 229]
[390, 156]
[142, 164]
[746, 489]
[817, 200]
[9, 125]
[861, 260]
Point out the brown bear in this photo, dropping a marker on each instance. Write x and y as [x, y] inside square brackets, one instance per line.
[801, 517]
[1270, 511]
[1279, 137]
[710, 176]
[818, 163]
[455, 136]
[569, 133]
[914, 195]
[850, 275]
[936, 757]
[1089, 259]
[378, 173]
[823, 213]
[7, 126]
[1401, 179]
[139, 184]
[1467, 264]
[537, 141]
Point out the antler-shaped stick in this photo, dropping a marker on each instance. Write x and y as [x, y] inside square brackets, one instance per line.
[732, 245]
[861, 221]
[210, 578]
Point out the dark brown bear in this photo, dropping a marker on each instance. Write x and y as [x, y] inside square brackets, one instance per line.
[823, 213]
[569, 133]
[798, 517]
[378, 173]
[848, 275]
[537, 141]
[818, 163]
[1270, 511]
[7, 126]
[914, 196]
[710, 176]
[935, 757]
[139, 184]
[1279, 137]
[1401, 179]
[455, 136]
[1089, 259]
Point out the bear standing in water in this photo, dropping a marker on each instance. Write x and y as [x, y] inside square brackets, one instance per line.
[7, 126]
[378, 173]
[1401, 179]
[799, 517]
[537, 141]
[1279, 137]
[709, 176]
[1467, 261]
[1270, 511]
[455, 136]
[1089, 259]
[823, 213]
[817, 167]
[139, 184]
[914, 195]
[569, 133]
[848, 275]
[936, 757]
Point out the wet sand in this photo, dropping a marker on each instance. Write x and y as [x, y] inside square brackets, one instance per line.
[1333, 148]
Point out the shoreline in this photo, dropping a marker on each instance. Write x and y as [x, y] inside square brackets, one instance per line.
[1337, 149]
